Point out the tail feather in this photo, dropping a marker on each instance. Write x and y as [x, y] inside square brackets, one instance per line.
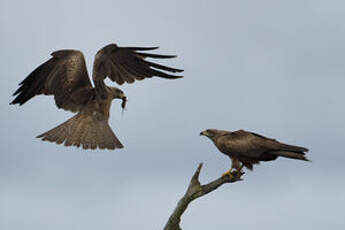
[59, 133]
[293, 148]
[293, 155]
[85, 131]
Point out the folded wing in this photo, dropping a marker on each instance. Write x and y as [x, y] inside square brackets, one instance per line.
[64, 76]
[259, 147]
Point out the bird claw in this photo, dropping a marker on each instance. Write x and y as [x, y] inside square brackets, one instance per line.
[233, 173]
[228, 173]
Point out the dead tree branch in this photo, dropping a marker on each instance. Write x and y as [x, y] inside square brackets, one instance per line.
[194, 191]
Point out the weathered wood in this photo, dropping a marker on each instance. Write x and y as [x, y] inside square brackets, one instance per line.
[194, 191]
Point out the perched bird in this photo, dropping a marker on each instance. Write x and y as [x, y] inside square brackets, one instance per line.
[65, 77]
[250, 148]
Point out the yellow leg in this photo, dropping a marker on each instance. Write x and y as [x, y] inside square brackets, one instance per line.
[228, 173]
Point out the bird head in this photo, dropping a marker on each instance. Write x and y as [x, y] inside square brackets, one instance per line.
[118, 94]
[209, 133]
[213, 133]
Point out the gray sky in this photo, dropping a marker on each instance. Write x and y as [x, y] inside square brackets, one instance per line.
[273, 67]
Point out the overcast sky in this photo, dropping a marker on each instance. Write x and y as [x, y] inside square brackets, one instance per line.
[273, 67]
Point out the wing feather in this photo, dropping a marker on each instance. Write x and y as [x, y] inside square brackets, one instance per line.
[162, 67]
[139, 74]
[125, 64]
[62, 76]
[140, 48]
[145, 55]
[252, 145]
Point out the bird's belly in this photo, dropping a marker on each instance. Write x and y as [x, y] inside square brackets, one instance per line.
[106, 108]
[98, 108]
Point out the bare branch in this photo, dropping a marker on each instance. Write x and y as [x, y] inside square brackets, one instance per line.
[194, 191]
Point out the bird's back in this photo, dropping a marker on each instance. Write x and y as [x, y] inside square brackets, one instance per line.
[241, 142]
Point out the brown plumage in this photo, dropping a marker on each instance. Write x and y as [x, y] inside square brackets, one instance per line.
[250, 148]
[66, 78]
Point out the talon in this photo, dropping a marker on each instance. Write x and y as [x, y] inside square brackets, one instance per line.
[227, 173]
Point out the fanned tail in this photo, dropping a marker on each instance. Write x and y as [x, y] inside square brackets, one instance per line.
[83, 130]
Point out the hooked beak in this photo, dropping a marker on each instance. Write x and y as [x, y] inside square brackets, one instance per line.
[122, 96]
[203, 133]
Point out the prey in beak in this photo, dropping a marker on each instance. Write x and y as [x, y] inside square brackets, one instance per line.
[124, 101]
[118, 94]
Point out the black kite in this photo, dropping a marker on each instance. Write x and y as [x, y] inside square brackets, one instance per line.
[66, 78]
[250, 148]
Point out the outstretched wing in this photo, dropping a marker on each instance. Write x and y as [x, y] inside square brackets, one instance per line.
[127, 64]
[64, 76]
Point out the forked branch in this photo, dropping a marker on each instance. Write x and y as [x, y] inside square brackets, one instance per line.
[194, 191]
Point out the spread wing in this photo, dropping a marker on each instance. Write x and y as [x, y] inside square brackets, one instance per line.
[127, 64]
[64, 76]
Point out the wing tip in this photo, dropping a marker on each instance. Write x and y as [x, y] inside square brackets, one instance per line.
[17, 101]
[178, 77]
[168, 76]
[155, 56]
[141, 48]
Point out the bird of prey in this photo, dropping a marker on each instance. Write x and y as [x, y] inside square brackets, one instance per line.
[250, 148]
[65, 77]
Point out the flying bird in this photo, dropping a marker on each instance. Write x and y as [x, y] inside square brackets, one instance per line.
[65, 77]
[248, 148]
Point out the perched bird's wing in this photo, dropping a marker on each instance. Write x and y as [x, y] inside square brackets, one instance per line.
[249, 142]
[256, 146]
[64, 76]
[127, 64]
[271, 147]
[244, 143]
[274, 145]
